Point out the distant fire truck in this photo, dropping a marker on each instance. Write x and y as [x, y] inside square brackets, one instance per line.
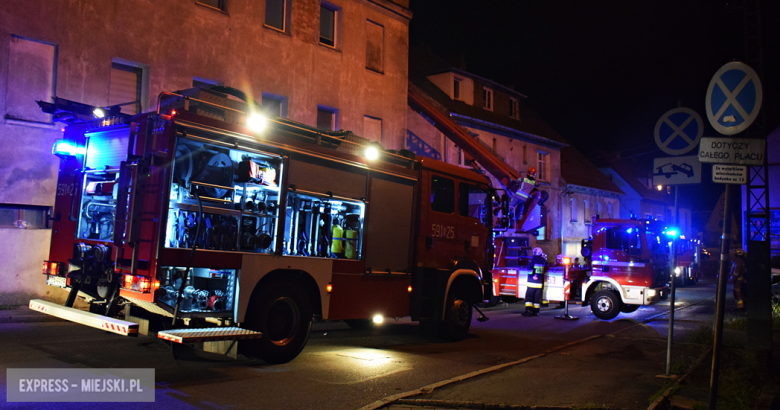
[194, 215]
[626, 262]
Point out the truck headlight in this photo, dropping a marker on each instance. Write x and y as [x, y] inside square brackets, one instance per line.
[650, 293]
[677, 271]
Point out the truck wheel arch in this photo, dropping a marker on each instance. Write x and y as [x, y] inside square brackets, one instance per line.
[467, 279]
[594, 285]
[300, 278]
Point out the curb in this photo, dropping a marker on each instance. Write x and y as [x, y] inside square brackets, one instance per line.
[446, 404]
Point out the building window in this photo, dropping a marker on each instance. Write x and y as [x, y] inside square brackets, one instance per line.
[204, 82]
[609, 210]
[275, 105]
[327, 118]
[456, 87]
[31, 77]
[598, 209]
[372, 128]
[126, 86]
[276, 14]
[514, 108]
[573, 209]
[541, 166]
[585, 216]
[495, 145]
[375, 47]
[328, 16]
[543, 233]
[487, 98]
[220, 5]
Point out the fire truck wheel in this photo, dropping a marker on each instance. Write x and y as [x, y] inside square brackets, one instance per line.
[490, 301]
[629, 308]
[457, 317]
[359, 323]
[605, 304]
[282, 313]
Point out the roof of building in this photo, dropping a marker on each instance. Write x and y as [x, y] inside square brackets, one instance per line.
[577, 170]
[529, 125]
[630, 171]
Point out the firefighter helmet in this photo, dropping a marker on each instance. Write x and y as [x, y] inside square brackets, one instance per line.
[537, 251]
[531, 172]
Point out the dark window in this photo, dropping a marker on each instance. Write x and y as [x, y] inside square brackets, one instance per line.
[125, 87]
[217, 4]
[23, 216]
[273, 105]
[327, 25]
[203, 83]
[456, 89]
[274, 13]
[472, 201]
[31, 76]
[326, 119]
[375, 39]
[624, 239]
[442, 194]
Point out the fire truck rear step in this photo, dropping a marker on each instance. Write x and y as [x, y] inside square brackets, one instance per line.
[109, 324]
[208, 334]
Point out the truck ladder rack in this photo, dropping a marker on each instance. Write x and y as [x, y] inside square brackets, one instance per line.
[208, 334]
[106, 323]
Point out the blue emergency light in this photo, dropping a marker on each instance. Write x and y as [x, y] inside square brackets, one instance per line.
[63, 148]
[671, 232]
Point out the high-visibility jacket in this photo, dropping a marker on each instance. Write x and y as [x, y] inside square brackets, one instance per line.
[536, 276]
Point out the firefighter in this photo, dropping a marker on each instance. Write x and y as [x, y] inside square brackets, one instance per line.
[534, 283]
[738, 272]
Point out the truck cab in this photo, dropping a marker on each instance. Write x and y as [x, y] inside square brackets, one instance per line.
[628, 266]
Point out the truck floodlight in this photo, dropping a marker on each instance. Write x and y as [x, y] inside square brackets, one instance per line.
[566, 260]
[98, 113]
[378, 319]
[256, 122]
[677, 271]
[659, 187]
[372, 153]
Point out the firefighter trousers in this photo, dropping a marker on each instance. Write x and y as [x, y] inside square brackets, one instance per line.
[533, 297]
[739, 292]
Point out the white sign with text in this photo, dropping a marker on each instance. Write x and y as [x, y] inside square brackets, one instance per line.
[729, 174]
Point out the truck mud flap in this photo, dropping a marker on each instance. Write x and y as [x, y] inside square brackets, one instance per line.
[106, 323]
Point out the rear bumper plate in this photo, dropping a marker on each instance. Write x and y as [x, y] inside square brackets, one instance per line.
[106, 323]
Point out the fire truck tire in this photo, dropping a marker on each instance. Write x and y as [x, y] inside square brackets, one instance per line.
[283, 314]
[605, 304]
[359, 323]
[457, 316]
[490, 301]
[629, 308]
[510, 299]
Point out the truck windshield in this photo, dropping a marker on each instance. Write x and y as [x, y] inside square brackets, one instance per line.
[624, 239]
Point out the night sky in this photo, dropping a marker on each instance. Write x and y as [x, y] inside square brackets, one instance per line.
[602, 72]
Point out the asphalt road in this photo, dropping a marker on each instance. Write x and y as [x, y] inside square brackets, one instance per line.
[340, 368]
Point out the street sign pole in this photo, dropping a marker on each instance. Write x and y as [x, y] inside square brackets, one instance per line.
[720, 304]
[670, 333]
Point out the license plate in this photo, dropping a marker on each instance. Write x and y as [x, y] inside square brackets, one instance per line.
[57, 281]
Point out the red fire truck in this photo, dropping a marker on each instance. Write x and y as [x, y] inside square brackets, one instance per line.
[627, 267]
[195, 215]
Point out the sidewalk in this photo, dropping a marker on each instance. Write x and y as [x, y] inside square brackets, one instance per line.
[617, 371]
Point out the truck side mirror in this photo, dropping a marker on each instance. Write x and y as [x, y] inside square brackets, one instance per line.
[505, 204]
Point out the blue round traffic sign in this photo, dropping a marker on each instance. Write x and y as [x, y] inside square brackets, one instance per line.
[733, 98]
[678, 131]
